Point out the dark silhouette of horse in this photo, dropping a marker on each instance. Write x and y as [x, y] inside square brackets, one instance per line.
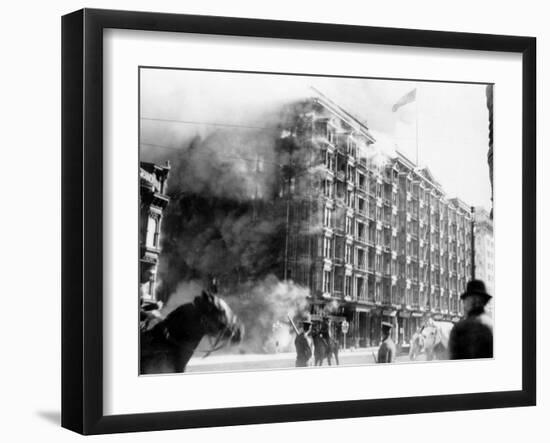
[324, 348]
[168, 346]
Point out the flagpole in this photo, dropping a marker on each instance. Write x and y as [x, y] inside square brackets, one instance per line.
[416, 103]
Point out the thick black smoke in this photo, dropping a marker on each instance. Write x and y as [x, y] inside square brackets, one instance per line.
[227, 220]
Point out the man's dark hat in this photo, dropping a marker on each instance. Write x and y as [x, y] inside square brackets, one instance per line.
[476, 287]
[386, 324]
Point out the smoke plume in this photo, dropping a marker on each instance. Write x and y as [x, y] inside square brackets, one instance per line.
[231, 157]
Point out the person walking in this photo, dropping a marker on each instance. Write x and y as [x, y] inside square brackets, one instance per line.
[386, 351]
[472, 337]
[303, 344]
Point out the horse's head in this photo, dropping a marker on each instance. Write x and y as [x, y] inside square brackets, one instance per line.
[418, 340]
[217, 318]
[429, 336]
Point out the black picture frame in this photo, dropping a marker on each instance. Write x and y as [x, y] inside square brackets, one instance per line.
[82, 219]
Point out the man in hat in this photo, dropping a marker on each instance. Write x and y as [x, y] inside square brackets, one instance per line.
[325, 331]
[149, 314]
[386, 352]
[303, 344]
[472, 337]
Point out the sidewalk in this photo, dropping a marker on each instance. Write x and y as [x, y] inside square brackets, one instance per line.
[237, 358]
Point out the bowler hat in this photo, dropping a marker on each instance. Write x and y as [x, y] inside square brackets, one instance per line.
[475, 287]
[306, 319]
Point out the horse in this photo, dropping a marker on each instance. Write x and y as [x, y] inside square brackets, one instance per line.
[436, 339]
[168, 346]
[417, 345]
[324, 348]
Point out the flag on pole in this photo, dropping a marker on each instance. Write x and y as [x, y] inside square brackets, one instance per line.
[409, 97]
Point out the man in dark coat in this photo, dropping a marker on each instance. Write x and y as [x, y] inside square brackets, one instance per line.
[149, 314]
[303, 344]
[325, 331]
[472, 337]
[386, 352]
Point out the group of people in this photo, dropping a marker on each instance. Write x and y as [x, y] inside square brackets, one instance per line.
[471, 337]
[304, 340]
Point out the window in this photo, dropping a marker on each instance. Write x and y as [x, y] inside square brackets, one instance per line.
[338, 282]
[387, 264]
[361, 258]
[152, 235]
[327, 247]
[327, 217]
[371, 259]
[401, 270]
[372, 232]
[387, 214]
[387, 238]
[327, 188]
[361, 288]
[351, 147]
[348, 257]
[331, 136]
[372, 208]
[329, 161]
[349, 198]
[361, 205]
[372, 186]
[349, 226]
[350, 176]
[348, 286]
[361, 231]
[326, 281]
[361, 180]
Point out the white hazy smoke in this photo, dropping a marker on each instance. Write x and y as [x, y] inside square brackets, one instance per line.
[263, 307]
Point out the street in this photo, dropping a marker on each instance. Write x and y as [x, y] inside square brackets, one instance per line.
[244, 362]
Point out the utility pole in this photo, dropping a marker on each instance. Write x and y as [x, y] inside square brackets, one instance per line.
[473, 244]
[287, 229]
[287, 218]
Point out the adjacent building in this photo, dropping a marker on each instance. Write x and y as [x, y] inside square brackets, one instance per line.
[152, 202]
[372, 235]
[485, 252]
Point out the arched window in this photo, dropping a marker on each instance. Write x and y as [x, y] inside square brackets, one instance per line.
[152, 238]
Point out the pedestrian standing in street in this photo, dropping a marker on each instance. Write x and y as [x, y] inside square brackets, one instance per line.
[325, 331]
[472, 337]
[386, 352]
[149, 314]
[303, 343]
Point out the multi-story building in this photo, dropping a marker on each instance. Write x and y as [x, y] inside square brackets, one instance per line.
[152, 202]
[372, 235]
[484, 263]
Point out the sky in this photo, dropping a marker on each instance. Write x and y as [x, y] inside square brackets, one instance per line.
[447, 122]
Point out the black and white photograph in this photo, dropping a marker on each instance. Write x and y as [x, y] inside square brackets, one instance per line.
[291, 221]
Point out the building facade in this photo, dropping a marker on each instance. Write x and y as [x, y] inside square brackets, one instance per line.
[152, 202]
[372, 235]
[485, 252]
